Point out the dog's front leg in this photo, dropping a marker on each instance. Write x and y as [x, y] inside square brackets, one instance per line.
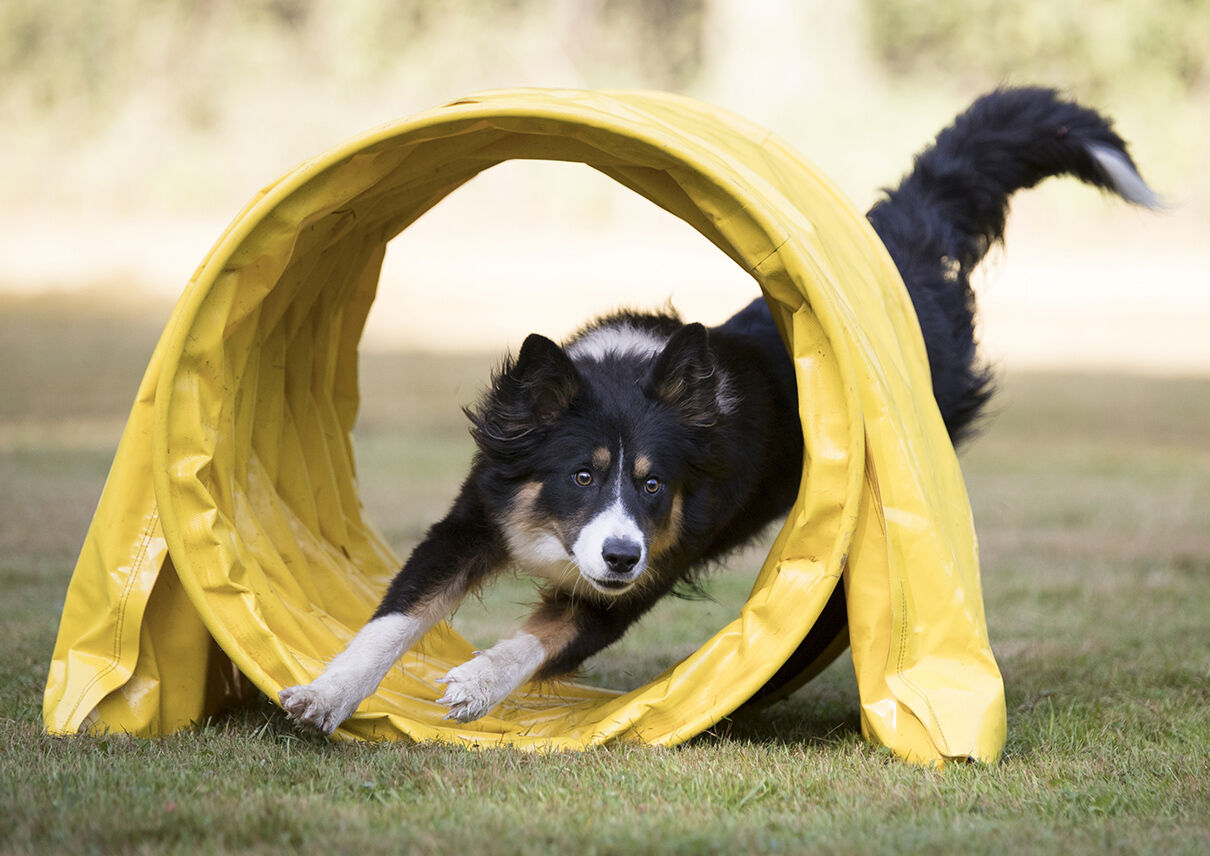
[481, 683]
[356, 672]
[561, 633]
[455, 555]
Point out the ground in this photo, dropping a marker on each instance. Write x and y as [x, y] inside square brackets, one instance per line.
[1089, 494]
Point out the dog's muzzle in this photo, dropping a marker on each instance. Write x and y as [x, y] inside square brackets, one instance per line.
[621, 561]
[621, 555]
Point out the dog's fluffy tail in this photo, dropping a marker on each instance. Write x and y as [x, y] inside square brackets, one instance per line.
[941, 220]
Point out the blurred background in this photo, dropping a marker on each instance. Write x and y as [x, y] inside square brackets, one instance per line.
[136, 129]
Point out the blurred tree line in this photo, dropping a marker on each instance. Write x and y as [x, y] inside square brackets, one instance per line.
[1159, 48]
[84, 56]
[95, 91]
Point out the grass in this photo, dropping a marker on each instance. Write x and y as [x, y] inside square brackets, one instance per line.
[1089, 493]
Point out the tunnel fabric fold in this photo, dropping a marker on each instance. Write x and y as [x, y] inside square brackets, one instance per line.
[229, 548]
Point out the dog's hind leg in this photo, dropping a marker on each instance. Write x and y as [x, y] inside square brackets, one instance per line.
[457, 553]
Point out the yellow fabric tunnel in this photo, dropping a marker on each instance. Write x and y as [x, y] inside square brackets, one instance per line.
[229, 545]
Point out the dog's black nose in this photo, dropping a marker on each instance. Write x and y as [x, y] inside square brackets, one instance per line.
[621, 555]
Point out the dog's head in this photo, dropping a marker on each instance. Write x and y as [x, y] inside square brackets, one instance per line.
[591, 455]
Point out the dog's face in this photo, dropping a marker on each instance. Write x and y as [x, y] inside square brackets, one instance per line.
[595, 457]
[596, 508]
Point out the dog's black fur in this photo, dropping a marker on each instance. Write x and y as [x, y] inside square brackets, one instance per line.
[618, 464]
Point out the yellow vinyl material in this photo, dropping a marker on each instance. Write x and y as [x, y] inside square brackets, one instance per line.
[229, 547]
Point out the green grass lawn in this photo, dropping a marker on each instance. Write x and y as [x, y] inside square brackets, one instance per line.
[1091, 495]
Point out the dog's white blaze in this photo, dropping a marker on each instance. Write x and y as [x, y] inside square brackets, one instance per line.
[478, 685]
[613, 522]
[619, 340]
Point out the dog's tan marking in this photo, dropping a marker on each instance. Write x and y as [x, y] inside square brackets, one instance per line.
[642, 467]
[535, 541]
[668, 534]
[527, 497]
[555, 632]
[601, 458]
[522, 514]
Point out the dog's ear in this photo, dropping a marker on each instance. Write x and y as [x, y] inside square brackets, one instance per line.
[526, 393]
[546, 377]
[686, 376]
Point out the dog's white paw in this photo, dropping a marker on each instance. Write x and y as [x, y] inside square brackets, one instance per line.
[320, 707]
[474, 688]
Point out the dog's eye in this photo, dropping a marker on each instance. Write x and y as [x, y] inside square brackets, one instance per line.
[652, 485]
[583, 478]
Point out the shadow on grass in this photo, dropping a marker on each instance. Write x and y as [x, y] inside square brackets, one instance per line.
[792, 722]
[814, 716]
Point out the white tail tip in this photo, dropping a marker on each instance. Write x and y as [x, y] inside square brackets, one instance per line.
[1126, 182]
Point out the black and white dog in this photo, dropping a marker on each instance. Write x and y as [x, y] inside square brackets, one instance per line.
[616, 465]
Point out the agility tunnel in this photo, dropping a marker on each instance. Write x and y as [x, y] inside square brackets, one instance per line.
[229, 552]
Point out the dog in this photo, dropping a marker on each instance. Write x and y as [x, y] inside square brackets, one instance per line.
[617, 465]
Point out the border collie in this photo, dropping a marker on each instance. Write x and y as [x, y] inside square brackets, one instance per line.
[618, 464]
